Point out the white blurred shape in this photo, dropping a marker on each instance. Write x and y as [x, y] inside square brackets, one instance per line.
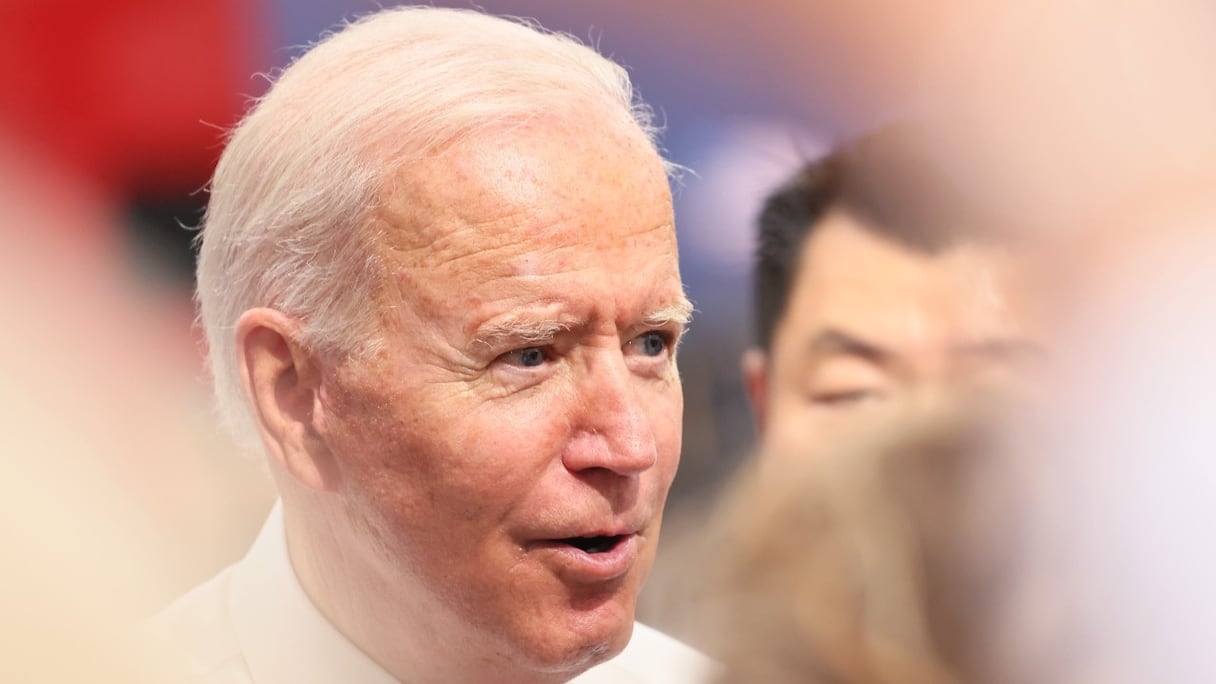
[1128, 475]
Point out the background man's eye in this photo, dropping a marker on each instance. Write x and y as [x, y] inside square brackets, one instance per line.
[528, 357]
[652, 343]
[844, 398]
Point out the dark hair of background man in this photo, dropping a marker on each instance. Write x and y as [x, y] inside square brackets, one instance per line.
[888, 182]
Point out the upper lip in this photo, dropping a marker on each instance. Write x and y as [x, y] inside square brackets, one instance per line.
[614, 529]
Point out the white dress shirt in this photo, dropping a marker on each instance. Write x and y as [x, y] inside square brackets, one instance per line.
[253, 624]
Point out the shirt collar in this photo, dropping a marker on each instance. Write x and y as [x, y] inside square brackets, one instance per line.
[284, 638]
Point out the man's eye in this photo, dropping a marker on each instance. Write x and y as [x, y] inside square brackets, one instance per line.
[652, 343]
[844, 398]
[528, 357]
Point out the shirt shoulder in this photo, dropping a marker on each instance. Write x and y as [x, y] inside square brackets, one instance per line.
[194, 637]
[652, 657]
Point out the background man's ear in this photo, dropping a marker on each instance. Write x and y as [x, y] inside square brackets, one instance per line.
[754, 365]
[282, 382]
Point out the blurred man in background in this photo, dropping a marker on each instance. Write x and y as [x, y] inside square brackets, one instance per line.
[439, 282]
[876, 285]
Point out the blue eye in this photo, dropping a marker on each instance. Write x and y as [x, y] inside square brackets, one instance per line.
[528, 357]
[653, 343]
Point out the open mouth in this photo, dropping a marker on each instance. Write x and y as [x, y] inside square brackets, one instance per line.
[593, 544]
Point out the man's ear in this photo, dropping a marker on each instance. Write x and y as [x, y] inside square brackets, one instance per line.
[282, 381]
[755, 382]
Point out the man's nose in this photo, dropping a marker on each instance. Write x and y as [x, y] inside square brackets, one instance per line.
[612, 429]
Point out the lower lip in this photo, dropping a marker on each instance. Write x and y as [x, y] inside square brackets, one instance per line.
[578, 566]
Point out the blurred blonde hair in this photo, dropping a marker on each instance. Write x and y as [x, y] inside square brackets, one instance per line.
[286, 224]
[871, 565]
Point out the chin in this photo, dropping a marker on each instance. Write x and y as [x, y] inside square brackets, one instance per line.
[585, 638]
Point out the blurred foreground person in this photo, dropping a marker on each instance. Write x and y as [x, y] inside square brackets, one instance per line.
[877, 284]
[1088, 127]
[439, 282]
[78, 570]
[1100, 140]
[1056, 545]
[893, 559]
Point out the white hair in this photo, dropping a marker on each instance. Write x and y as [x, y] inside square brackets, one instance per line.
[286, 226]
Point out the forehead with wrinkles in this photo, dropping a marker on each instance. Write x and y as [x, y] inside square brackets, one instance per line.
[573, 212]
[541, 185]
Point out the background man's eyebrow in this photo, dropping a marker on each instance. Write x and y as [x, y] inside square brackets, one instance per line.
[679, 313]
[832, 341]
[1003, 347]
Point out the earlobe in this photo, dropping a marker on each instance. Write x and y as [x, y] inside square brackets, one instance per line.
[282, 382]
[754, 365]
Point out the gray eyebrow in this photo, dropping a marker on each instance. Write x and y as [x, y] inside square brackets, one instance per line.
[679, 313]
[523, 328]
[530, 328]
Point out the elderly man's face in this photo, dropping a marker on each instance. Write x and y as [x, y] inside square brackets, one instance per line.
[509, 452]
[872, 324]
